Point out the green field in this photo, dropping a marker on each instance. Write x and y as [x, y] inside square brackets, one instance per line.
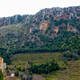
[72, 71]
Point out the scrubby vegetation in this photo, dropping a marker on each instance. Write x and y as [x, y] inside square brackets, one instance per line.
[70, 56]
[5, 55]
[1, 75]
[44, 68]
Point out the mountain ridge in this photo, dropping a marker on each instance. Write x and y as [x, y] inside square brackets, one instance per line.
[19, 18]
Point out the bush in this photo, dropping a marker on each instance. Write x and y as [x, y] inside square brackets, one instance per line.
[70, 56]
[17, 73]
[44, 68]
[5, 55]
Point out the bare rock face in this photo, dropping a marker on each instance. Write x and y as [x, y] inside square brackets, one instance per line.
[56, 29]
[44, 25]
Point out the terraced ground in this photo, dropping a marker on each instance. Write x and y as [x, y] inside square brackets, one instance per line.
[72, 71]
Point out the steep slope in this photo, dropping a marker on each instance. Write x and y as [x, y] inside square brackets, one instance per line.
[47, 30]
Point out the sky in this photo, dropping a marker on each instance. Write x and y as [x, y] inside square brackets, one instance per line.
[13, 7]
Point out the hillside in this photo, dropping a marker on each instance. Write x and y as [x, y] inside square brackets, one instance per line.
[51, 29]
[43, 46]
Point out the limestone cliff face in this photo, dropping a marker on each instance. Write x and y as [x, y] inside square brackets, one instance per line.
[56, 29]
[44, 25]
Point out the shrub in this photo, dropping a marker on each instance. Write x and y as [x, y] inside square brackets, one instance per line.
[44, 68]
[70, 56]
[17, 73]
